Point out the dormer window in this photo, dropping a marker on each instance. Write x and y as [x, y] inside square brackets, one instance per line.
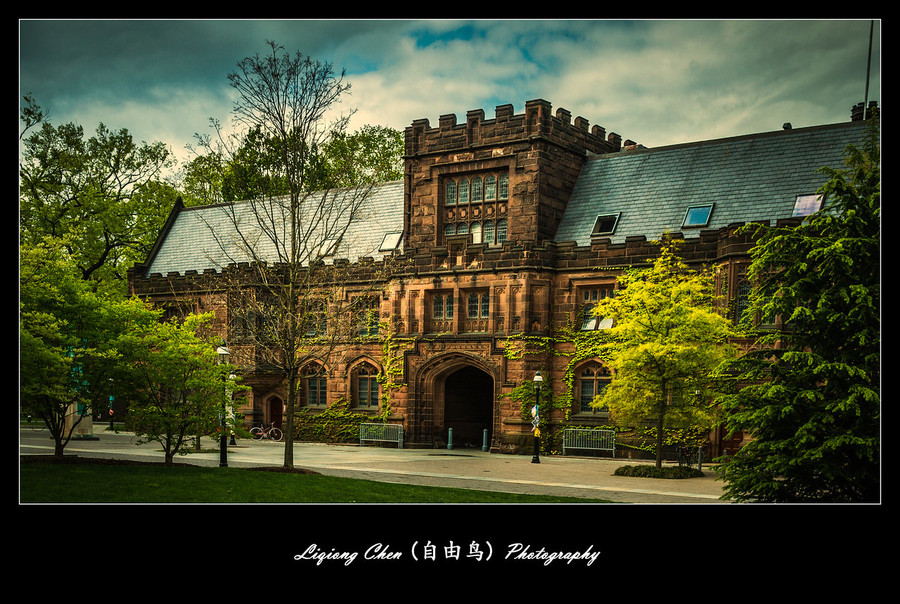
[605, 224]
[697, 216]
[806, 205]
[390, 242]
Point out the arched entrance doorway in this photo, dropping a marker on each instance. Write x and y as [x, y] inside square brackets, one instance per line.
[453, 390]
[469, 406]
[275, 412]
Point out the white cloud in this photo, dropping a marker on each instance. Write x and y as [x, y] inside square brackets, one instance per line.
[656, 82]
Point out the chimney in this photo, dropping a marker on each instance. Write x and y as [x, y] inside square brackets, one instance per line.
[856, 114]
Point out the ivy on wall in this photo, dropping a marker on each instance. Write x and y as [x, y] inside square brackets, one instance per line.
[339, 422]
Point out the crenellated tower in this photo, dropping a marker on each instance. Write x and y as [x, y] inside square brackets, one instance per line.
[486, 181]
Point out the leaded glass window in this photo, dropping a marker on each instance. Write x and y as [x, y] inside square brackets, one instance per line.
[450, 194]
[503, 187]
[366, 387]
[477, 194]
[463, 196]
[490, 187]
[592, 380]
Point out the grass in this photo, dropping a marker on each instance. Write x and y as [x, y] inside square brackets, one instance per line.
[181, 483]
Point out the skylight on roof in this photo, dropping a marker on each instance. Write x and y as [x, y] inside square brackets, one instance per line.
[697, 216]
[605, 224]
[391, 241]
[806, 205]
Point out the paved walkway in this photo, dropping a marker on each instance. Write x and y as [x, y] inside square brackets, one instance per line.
[464, 468]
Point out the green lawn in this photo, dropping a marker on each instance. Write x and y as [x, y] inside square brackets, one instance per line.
[97, 483]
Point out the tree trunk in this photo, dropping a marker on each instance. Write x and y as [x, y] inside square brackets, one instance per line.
[664, 401]
[289, 421]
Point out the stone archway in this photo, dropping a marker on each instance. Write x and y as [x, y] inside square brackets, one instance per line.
[454, 390]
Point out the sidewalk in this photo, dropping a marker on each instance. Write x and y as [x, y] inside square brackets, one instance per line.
[462, 468]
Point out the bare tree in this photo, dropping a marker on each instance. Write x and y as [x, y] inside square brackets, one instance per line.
[289, 302]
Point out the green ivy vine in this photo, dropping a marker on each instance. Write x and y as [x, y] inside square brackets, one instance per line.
[337, 423]
[390, 378]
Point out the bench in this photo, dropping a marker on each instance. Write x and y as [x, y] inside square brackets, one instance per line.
[585, 438]
[391, 433]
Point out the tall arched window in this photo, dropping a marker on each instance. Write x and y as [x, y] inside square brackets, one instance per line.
[490, 187]
[472, 311]
[315, 386]
[477, 193]
[475, 229]
[368, 316]
[501, 231]
[592, 380]
[463, 196]
[316, 319]
[503, 187]
[489, 232]
[478, 312]
[437, 307]
[450, 193]
[365, 387]
[742, 300]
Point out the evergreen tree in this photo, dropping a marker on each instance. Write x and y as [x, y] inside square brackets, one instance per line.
[809, 395]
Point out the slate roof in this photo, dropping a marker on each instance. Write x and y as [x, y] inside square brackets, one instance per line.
[204, 237]
[748, 178]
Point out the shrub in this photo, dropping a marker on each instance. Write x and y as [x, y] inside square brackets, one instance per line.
[645, 471]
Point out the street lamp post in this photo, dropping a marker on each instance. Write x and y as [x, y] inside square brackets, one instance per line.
[538, 380]
[223, 353]
[229, 396]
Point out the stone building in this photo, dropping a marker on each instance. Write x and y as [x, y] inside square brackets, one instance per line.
[508, 228]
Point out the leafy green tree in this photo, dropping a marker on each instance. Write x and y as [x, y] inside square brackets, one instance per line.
[68, 335]
[101, 196]
[201, 180]
[810, 397]
[178, 387]
[371, 154]
[253, 172]
[664, 346]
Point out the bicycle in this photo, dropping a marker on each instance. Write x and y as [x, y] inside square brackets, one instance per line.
[261, 432]
[35, 425]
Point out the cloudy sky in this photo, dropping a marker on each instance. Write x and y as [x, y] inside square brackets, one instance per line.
[655, 82]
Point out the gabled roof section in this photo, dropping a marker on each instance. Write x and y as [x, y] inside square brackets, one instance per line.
[748, 178]
[201, 238]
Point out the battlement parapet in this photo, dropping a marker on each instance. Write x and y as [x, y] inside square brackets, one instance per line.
[537, 121]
